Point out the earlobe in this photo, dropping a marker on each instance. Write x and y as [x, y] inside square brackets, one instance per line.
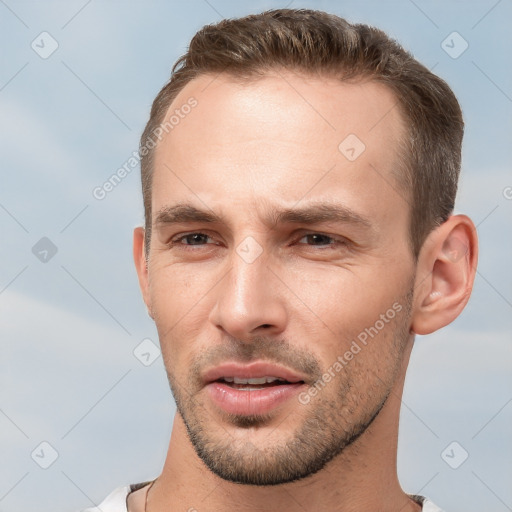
[139, 257]
[445, 276]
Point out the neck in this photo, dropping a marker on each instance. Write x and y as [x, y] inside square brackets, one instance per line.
[362, 478]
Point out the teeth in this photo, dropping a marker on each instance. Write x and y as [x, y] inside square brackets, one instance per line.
[255, 381]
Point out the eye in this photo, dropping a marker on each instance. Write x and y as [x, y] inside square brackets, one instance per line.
[191, 239]
[319, 240]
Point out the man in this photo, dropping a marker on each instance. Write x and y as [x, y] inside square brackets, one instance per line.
[299, 175]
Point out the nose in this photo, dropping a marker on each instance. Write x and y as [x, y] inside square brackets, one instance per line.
[249, 300]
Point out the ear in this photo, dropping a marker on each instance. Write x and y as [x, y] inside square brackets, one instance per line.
[139, 256]
[445, 274]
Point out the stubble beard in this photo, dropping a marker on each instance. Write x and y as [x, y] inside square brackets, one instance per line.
[327, 425]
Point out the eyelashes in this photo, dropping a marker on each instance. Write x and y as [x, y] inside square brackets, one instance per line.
[189, 236]
[200, 239]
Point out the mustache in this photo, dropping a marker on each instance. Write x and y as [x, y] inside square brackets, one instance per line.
[258, 348]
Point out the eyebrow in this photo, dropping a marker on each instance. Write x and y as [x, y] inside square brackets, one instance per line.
[182, 213]
[312, 214]
[317, 213]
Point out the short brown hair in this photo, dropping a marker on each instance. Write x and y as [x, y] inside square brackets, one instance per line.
[323, 44]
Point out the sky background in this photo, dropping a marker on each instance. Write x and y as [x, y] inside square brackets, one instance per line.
[72, 322]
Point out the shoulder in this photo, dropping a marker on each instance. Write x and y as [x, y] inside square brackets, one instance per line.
[114, 502]
[426, 504]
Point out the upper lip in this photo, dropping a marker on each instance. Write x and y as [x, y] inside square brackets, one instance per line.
[251, 371]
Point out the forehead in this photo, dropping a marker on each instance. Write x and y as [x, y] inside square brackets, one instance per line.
[282, 137]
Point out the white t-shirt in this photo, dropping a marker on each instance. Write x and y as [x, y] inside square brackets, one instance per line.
[116, 501]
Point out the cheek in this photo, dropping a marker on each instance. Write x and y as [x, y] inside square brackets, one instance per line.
[176, 292]
[340, 295]
[352, 305]
[179, 305]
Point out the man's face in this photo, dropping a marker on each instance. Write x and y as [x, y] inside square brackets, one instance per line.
[278, 253]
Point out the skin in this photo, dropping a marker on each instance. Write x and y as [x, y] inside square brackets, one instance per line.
[244, 151]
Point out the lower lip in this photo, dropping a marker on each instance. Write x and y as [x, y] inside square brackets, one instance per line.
[254, 402]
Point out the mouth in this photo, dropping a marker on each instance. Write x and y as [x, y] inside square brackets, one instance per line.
[251, 389]
[253, 384]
